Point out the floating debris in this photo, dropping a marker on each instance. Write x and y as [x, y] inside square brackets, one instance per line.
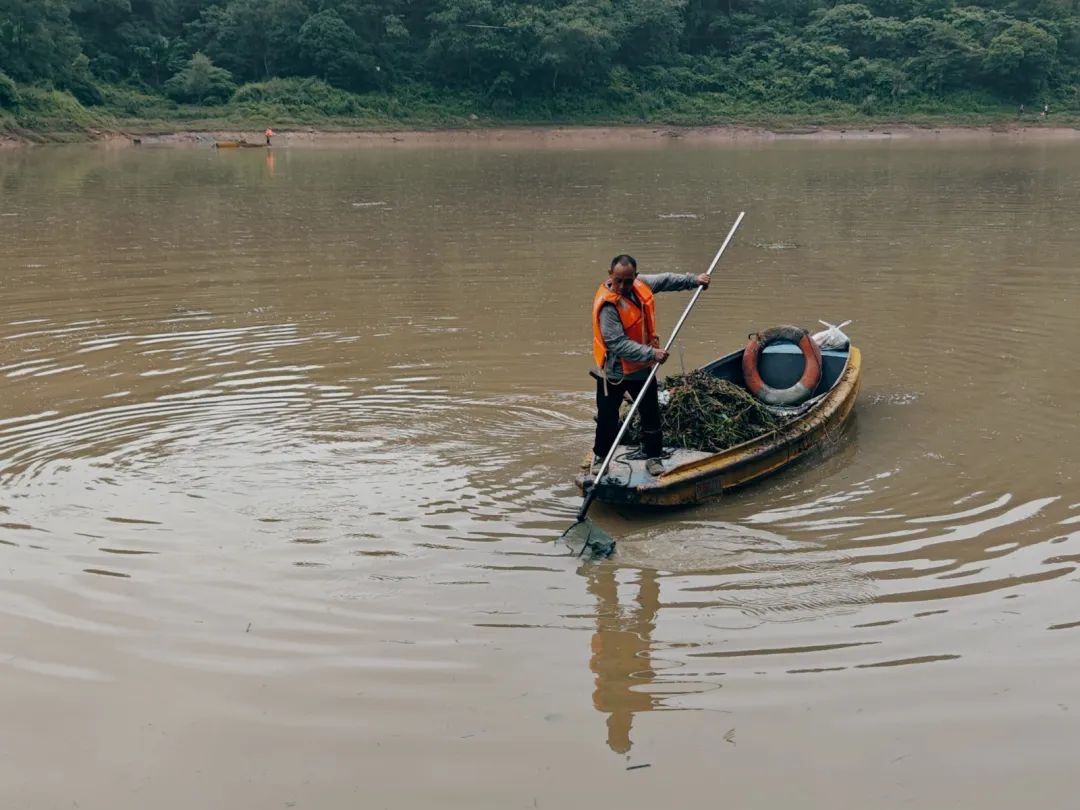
[703, 412]
[775, 245]
[678, 216]
[895, 397]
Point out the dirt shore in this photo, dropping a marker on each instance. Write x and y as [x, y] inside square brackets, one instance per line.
[584, 137]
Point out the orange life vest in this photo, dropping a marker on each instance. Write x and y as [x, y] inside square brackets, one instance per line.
[639, 322]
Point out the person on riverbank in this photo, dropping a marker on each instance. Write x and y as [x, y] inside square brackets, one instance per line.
[626, 347]
[269, 134]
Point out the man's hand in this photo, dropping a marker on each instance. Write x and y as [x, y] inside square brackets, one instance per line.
[661, 356]
[703, 280]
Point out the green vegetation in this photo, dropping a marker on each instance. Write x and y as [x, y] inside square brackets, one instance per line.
[703, 412]
[69, 66]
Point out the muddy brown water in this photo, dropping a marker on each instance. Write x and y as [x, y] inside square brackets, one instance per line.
[286, 438]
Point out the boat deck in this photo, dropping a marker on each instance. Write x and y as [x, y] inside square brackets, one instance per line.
[630, 472]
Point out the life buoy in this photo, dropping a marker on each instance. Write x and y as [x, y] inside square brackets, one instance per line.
[794, 394]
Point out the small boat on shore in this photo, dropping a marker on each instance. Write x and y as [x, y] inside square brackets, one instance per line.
[237, 145]
[691, 476]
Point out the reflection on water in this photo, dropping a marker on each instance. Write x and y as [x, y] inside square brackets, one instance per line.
[287, 439]
[620, 650]
[734, 578]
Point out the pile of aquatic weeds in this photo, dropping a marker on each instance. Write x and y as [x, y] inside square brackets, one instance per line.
[703, 412]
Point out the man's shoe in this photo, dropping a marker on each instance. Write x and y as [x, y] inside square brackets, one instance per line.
[588, 465]
[654, 467]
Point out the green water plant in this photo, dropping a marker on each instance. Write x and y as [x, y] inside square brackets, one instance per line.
[703, 412]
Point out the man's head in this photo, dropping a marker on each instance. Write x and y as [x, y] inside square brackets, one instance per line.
[622, 273]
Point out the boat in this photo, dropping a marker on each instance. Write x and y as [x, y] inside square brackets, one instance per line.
[692, 476]
[237, 145]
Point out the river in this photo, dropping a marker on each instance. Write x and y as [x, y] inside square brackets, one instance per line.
[287, 437]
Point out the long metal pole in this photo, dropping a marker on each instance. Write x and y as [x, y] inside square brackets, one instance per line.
[652, 373]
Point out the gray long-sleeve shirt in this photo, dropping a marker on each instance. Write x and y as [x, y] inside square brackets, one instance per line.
[618, 344]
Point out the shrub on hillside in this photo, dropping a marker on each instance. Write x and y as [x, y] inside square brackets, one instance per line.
[9, 93]
[135, 102]
[299, 96]
[81, 84]
[200, 82]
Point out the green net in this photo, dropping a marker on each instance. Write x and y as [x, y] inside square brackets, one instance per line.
[706, 413]
[589, 541]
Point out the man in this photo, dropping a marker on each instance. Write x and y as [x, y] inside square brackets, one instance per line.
[626, 347]
[269, 134]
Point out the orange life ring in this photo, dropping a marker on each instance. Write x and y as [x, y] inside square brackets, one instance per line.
[794, 394]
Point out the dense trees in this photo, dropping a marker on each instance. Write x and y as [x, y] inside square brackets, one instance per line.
[37, 40]
[875, 53]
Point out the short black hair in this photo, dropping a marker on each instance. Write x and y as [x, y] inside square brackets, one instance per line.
[624, 259]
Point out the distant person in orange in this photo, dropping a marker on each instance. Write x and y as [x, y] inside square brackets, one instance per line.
[269, 134]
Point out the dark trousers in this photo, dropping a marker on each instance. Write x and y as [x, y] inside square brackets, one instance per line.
[607, 416]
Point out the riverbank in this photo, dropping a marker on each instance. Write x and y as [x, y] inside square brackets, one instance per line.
[309, 113]
[576, 136]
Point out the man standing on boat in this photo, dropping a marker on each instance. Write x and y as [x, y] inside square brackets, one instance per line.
[626, 347]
